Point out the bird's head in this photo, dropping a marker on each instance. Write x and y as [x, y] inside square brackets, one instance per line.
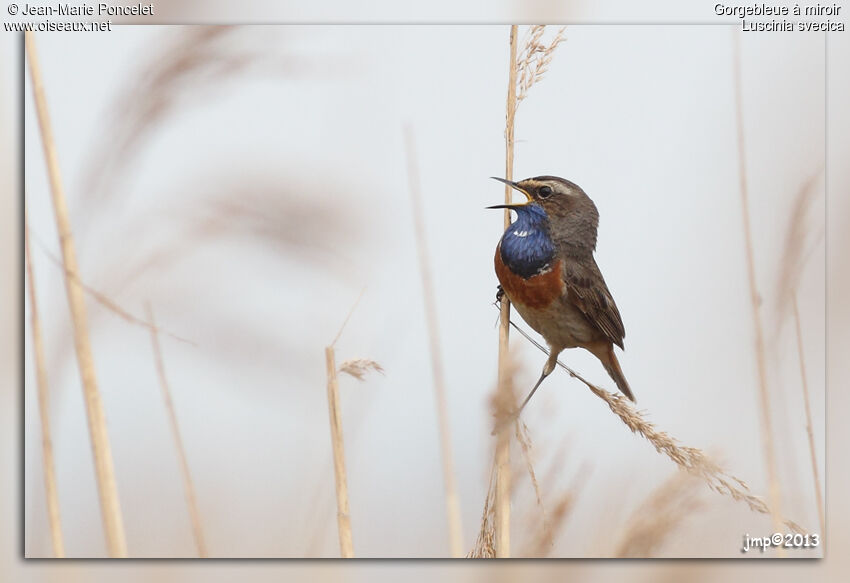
[571, 214]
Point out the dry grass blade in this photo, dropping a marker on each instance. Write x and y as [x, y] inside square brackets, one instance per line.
[755, 300]
[348, 316]
[808, 409]
[659, 516]
[453, 514]
[544, 538]
[105, 472]
[524, 440]
[690, 459]
[359, 367]
[485, 542]
[533, 61]
[108, 303]
[795, 251]
[188, 485]
[50, 488]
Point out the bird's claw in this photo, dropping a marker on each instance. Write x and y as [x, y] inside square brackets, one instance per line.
[500, 293]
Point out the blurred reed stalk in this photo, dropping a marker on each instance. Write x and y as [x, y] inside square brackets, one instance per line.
[50, 487]
[503, 403]
[105, 473]
[188, 485]
[815, 474]
[343, 517]
[449, 482]
[502, 505]
[774, 492]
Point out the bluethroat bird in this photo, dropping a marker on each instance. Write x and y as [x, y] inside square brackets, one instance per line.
[545, 266]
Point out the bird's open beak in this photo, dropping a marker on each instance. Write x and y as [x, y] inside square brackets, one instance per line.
[515, 186]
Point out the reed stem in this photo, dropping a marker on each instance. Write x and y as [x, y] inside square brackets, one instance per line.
[808, 409]
[346, 547]
[188, 485]
[774, 492]
[50, 486]
[449, 482]
[503, 444]
[104, 470]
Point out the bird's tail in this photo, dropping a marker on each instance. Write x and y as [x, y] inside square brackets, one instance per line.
[612, 365]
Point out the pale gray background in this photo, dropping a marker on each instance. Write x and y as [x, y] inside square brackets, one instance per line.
[641, 116]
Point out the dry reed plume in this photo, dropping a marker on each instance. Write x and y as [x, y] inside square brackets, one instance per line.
[533, 61]
[544, 533]
[657, 518]
[104, 470]
[359, 367]
[797, 247]
[690, 459]
[544, 538]
[195, 62]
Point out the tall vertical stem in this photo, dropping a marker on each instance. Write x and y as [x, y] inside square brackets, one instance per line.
[105, 473]
[449, 484]
[346, 547]
[188, 485]
[775, 494]
[503, 444]
[815, 474]
[50, 488]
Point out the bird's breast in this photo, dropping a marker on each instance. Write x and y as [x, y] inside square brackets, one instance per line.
[537, 291]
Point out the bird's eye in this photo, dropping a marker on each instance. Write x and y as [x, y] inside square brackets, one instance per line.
[545, 191]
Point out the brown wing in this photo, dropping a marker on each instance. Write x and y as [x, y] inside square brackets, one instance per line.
[586, 289]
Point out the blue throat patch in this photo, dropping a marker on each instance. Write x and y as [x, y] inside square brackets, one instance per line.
[526, 247]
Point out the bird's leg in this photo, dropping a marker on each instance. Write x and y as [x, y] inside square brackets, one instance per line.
[547, 370]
